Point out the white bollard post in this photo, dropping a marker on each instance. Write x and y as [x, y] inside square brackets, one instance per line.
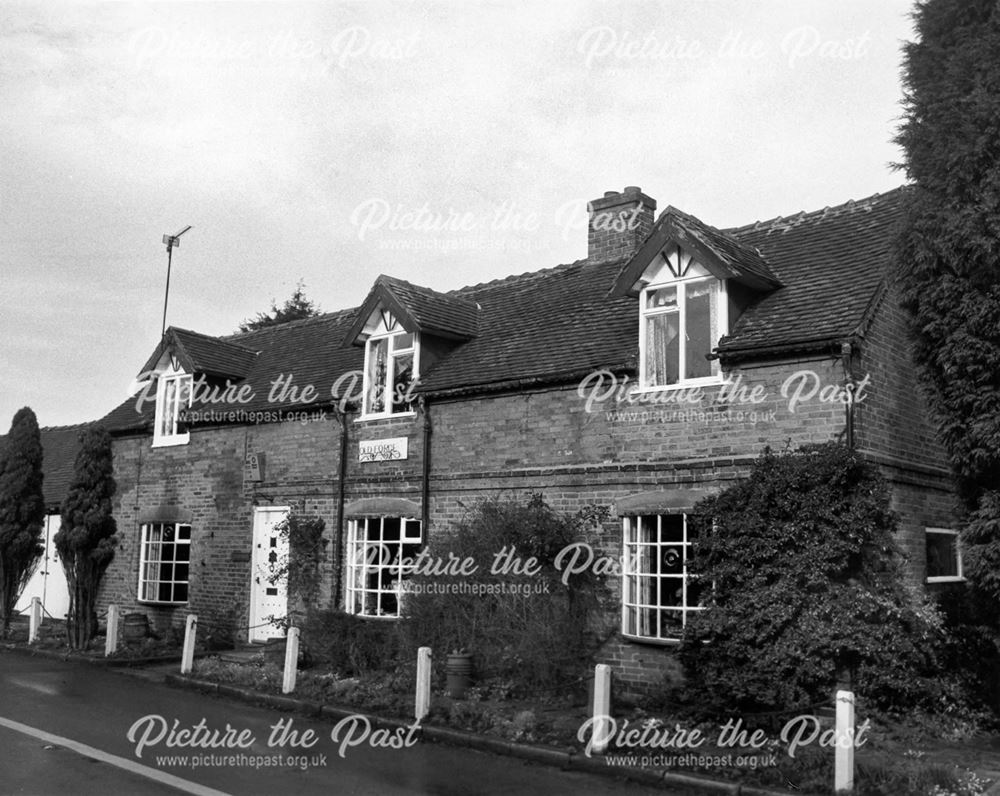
[187, 655]
[843, 777]
[34, 620]
[111, 639]
[423, 702]
[291, 660]
[602, 706]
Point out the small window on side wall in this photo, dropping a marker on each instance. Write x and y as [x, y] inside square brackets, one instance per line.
[944, 555]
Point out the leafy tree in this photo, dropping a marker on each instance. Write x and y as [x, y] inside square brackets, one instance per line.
[86, 541]
[295, 308]
[806, 582]
[949, 252]
[22, 509]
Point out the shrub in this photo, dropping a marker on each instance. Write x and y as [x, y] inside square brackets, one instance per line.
[349, 644]
[807, 582]
[300, 567]
[534, 629]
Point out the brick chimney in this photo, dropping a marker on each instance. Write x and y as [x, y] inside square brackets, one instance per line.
[619, 222]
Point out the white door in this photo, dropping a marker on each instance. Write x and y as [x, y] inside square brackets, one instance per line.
[267, 600]
[48, 583]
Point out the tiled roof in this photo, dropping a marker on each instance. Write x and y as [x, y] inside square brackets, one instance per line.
[724, 255]
[831, 263]
[557, 324]
[60, 444]
[420, 309]
[536, 325]
[203, 354]
[309, 351]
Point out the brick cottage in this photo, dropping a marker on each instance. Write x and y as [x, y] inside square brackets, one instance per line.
[642, 378]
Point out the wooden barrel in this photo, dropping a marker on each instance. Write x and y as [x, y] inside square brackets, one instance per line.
[135, 627]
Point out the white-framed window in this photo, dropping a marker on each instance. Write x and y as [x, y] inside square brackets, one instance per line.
[378, 549]
[944, 555]
[682, 314]
[164, 562]
[173, 396]
[658, 593]
[391, 368]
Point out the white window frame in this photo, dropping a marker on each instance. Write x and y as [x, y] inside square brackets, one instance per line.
[147, 561]
[960, 577]
[374, 557]
[638, 609]
[675, 258]
[389, 330]
[171, 382]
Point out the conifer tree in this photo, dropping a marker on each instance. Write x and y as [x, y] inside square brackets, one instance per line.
[86, 541]
[949, 252]
[22, 509]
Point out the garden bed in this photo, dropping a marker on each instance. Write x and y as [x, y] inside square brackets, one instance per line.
[52, 639]
[900, 757]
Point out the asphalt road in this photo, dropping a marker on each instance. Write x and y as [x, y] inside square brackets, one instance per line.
[64, 729]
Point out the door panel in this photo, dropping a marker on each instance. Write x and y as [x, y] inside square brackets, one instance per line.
[267, 600]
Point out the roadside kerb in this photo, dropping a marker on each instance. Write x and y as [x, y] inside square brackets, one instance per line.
[570, 761]
[72, 655]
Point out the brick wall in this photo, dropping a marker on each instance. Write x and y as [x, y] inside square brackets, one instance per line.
[542, 440]
[893, 429]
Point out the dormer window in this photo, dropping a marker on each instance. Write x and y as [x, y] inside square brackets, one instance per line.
[391, 367]
[173, 396]
[682, 315]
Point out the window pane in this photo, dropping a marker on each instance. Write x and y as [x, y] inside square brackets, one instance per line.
[942, 555]
[402, 342]
[375, 386]
[664, 298]
[662, 349]
[401, 378]
[698, 337]
[169, 407]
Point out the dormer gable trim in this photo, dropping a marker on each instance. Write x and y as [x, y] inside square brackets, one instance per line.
[218, 357]
[676, 228]
[408, 304]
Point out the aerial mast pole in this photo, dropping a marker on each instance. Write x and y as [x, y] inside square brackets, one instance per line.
[171, 241]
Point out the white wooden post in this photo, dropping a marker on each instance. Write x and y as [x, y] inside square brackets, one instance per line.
[423, 702]
[187, 655]
[602, 706]
[34, 620]
[291, 660]
[111, 639]
[843, 777]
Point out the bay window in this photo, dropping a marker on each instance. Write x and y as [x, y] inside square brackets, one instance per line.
[164, 562]
[377, 551]
[658, 593]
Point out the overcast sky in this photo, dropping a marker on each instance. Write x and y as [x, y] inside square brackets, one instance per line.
[446, 143]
